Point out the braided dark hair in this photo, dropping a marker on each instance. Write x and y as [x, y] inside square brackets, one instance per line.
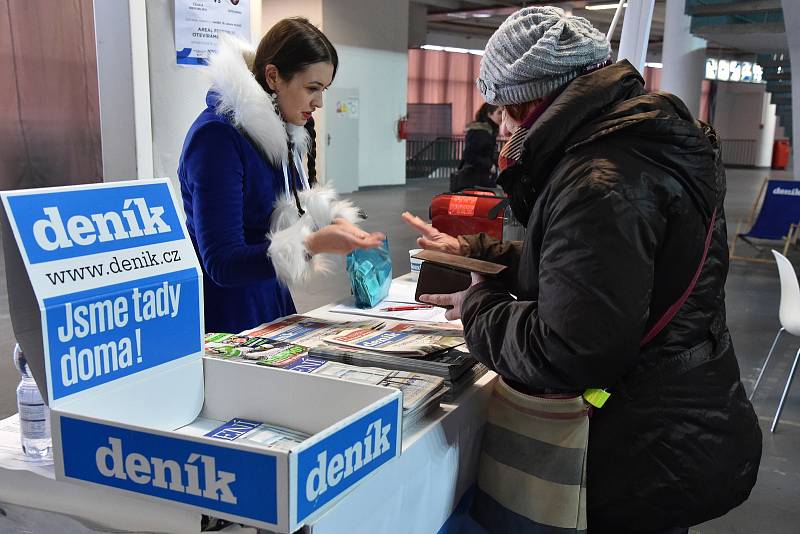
[311, 157]
[292, 45]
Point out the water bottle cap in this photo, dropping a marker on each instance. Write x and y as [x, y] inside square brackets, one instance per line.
[19, 360]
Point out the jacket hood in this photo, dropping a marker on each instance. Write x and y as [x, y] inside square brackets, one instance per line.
[241, 99]
[612, 101]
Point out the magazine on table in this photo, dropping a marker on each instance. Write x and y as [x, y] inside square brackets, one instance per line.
[260, 350]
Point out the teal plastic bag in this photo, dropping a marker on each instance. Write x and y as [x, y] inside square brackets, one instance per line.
[370, 273]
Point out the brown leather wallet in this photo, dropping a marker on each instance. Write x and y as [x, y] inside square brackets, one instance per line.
[442, 273]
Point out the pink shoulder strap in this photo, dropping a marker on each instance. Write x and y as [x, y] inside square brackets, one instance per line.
[664, 320]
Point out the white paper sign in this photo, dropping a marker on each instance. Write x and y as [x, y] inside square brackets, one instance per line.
[199, 22]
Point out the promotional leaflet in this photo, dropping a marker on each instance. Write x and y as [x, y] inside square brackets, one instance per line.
[198, 24]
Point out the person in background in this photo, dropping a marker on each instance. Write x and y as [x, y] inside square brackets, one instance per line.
[479, 159]
[619, 283]
[257, 219]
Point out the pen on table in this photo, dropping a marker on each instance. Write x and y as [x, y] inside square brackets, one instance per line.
[408, 308]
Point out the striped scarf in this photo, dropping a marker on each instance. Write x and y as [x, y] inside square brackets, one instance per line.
[512, 151]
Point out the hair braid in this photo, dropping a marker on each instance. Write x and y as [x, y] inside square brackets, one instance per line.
[312, 152]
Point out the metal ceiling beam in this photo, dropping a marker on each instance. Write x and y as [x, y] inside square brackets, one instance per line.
[468, 5]
[735, 8]
[768, 28]
[444, 4]
[458, 27]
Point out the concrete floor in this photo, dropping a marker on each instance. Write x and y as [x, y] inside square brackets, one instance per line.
[753, 295]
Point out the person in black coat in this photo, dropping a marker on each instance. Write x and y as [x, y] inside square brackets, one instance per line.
[479, 159]
[622, 193]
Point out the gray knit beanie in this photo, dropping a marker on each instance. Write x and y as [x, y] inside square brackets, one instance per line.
[536, 51]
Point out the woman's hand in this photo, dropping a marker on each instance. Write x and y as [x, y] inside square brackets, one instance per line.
[341, 237]
[452, 300]
[433, 239]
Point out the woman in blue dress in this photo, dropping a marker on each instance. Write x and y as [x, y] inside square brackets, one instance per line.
[257, 219]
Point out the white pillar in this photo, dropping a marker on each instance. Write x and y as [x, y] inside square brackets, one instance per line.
[766, 133]
[683, 57]
[791, 20]
[636, 32]
[124, 89]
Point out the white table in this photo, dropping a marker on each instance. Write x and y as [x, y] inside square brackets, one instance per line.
[414, 493]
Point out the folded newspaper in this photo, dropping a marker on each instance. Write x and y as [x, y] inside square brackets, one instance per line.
[245, 430]
[394, 341]
[416, 388]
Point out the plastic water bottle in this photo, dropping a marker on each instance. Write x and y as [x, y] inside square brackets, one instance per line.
[34, 415]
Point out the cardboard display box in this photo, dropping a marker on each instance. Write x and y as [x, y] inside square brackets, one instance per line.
[106, 300]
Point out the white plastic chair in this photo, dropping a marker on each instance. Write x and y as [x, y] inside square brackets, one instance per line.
[789, 315]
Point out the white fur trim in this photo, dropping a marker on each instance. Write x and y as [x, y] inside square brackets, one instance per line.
[288, 232]
[243, 100]
[288, 253]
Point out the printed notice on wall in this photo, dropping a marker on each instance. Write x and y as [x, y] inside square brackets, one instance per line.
[115, 278]
[198, 24]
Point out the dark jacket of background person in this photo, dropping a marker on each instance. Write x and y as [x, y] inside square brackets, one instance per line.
[620, 186]
[479, 156]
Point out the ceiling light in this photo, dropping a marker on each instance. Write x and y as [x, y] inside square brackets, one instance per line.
[481, 15]
[454, 50]
[598, 7]
[655, 65]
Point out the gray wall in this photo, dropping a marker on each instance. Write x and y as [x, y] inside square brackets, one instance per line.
[367, 23]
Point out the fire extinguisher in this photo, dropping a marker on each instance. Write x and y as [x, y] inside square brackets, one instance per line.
[402, 128]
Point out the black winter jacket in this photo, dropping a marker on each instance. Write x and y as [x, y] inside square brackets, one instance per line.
[478, 158]
[617, 188]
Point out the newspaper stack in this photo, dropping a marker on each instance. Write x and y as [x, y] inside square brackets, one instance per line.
[421, 393]
[310, 332]
[457, 367]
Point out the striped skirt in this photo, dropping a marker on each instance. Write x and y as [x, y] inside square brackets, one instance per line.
[532, 474]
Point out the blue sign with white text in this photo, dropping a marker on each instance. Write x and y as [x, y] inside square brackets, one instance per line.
[335, 463]
[68, 224]
[227, 480]
[103, 334]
